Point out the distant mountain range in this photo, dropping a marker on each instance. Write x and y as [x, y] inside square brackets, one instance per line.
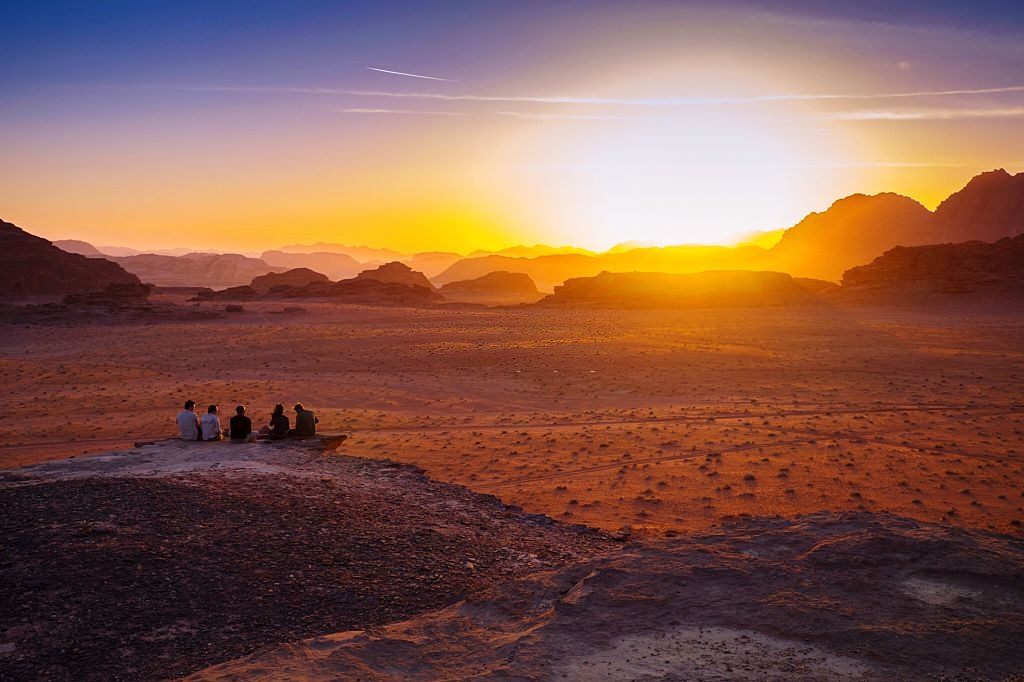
[851, 232]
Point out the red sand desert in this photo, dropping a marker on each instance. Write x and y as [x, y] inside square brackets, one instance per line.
[654, 421]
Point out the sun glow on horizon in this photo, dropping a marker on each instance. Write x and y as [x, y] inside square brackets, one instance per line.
[704, 176]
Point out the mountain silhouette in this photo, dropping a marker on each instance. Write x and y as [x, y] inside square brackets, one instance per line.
[989, 208]
[851, 232]
[32, 265]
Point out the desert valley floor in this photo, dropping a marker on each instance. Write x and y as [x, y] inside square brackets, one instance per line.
[812, 493]
[655, 421]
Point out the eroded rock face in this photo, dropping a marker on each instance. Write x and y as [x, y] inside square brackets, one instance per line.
[31, 265]
[494, 287]
[990, 207]
[297, 277]
[398, 273]
[971, 267]
[727, 288]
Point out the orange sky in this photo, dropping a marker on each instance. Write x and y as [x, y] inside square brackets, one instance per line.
[650, 121]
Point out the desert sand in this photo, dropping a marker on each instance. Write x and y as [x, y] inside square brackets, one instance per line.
[657, 421]
[804, 424]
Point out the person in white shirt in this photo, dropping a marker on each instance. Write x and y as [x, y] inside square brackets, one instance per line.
[188, 422]
[211, 425]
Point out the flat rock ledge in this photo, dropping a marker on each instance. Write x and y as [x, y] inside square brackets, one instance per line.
[231, 562]
[160, 561]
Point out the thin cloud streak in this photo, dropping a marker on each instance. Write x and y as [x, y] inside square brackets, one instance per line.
[559, 99]
[410, 112]
[928, 114]
[410, 75]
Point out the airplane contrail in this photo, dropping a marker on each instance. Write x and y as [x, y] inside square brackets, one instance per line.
[410, 75]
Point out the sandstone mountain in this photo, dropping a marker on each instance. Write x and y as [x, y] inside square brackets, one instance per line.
[494, 288]
[851, 232]
[297, 277]
[79, 247]
[196, 270]
[995, 270]
[713, 289]
[989, 208]
[334, 265]
[546, 271]
[397, 273]
[31, 265]
[363, 254]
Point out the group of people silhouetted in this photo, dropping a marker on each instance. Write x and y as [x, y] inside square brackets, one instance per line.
[209, 428]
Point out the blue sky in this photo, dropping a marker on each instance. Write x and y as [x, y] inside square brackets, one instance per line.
[574, 121]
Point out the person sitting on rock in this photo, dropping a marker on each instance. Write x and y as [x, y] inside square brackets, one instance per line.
[305, 421]
[279, 425]
[240, 427]
[211, 425]
[188, 422]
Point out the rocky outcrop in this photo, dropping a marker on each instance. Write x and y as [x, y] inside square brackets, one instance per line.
[545, 271]
[854, 597]
[334, 265]
[214, 550]
[195, 269]
[112, 295]
[239, 293]
[995, 270]
[716, 289]
[851, 232]
[397, 273]
[989, 208]
[494, 288]
[31, 265]
[297, 277]
[372, 292]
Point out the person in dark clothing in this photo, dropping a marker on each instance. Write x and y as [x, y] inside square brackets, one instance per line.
[305, 421]
[279, 424]
[240, 430]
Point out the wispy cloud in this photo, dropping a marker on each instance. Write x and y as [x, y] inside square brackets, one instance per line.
[410, 112]
[928, 114]
[410, 75]
[564, 117]
[685, 100]
[678, 101]
[893, 164]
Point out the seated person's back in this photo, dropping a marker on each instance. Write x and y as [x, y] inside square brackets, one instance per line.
[211, 424]
[188, 422]
[305, 421]
[279, 424]
[240, 426]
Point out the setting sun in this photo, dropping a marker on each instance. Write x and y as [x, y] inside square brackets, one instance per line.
[657, 123]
